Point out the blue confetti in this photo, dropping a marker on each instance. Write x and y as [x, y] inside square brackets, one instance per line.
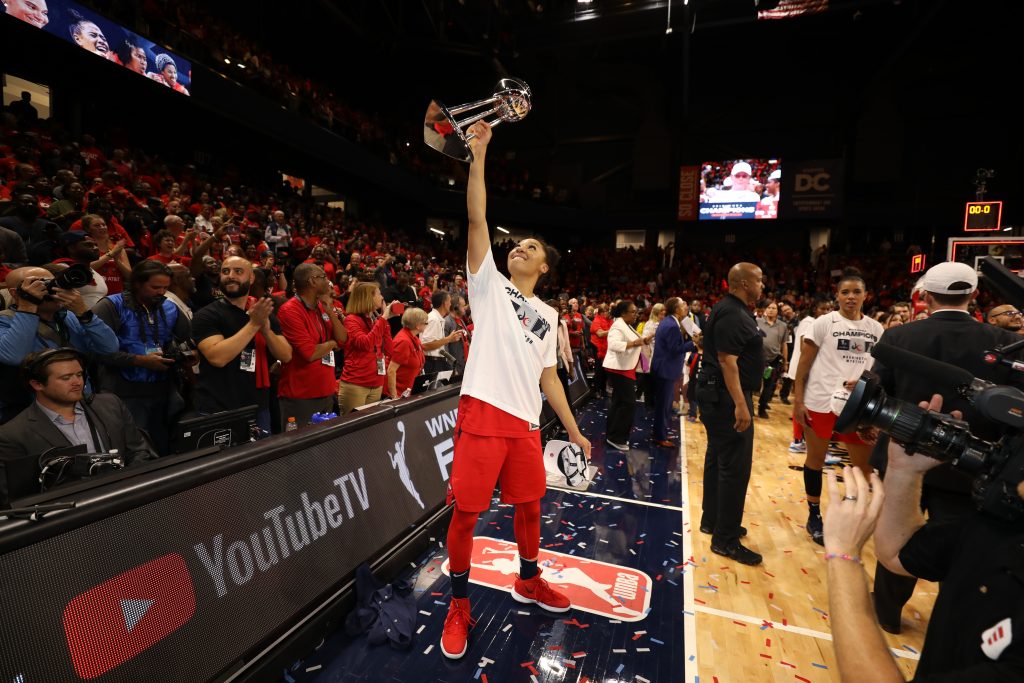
[621, 667]
[693, 658]
[819, 666]
[907, 647]
[672, 582]
[477, 675]
[655, 640]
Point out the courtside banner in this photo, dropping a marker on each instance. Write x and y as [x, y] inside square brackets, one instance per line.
[608, 590]
[185, 587]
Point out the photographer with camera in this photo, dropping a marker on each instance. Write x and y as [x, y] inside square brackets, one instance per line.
[61, 416]
[951, 335]
[153, 342]
[38, 320]
[977, 557]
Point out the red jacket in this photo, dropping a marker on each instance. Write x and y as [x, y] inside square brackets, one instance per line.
[600, 343]
[408, 353]
[367, 343]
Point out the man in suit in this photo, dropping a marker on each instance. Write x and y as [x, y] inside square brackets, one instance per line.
[952, 335]
[667, 367]
[61, 417]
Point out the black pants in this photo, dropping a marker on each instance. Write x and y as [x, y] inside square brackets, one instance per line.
[622, 408]
[768, 388]
[726, 463]
[645, 388]
[600, 377]
[663, 392]
[438, 364]
[787, 386]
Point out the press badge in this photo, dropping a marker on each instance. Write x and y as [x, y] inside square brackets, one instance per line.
[328, 360]
[247, 361]
[154, 351]
[380, 367]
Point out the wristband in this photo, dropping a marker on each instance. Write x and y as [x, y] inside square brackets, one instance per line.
[843, 556]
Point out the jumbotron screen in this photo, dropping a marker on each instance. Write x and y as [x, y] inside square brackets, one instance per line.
[740, 189]
[102, 37]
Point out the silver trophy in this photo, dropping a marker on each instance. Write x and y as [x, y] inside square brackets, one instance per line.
[511, 102]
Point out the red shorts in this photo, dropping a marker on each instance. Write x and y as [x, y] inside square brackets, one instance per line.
[480, 462]
[824, 425]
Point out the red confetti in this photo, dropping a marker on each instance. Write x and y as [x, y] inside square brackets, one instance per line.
[525, 664]
[770, 574]
[767, 642]
[437, 594]
[803, 570]
[791, 666]
[785, 623]
[767, 624]
[581, 653]
[639, 542]
[765, 656]
[801, 678]
[584, 680]
[746, 582]
[700, 601]
[658, 577]
[771, 595]
[740, 623]
[483, 677]
[569, 664]
[554, 647]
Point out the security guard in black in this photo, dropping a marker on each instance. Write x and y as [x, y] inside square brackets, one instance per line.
[732, 367]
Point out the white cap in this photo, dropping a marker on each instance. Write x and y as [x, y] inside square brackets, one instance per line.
[741, 167]
[949, 277]
[775, 175]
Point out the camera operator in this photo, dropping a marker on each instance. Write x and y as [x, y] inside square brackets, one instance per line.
[951, 335]
[62, 415]
[978, 558]
[38, 320]
[150, 332]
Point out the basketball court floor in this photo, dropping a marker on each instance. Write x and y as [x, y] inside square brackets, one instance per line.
[651, 602]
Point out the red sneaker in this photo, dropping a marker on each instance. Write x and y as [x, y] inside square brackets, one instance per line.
[456, 629]
[538, 592]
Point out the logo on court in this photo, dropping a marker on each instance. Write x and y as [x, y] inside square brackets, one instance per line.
[600, 588]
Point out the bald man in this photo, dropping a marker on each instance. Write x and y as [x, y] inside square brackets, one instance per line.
[731, 372]
[237, 336]
[38, 320]
[1007, 317]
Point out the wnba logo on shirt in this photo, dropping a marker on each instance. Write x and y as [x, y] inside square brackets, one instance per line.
[600, 588]
[531, 319]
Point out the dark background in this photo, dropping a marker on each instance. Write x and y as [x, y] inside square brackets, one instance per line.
[913, 96]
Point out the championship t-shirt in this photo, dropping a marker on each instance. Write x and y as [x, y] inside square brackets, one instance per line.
[844, 351]
[514, 339]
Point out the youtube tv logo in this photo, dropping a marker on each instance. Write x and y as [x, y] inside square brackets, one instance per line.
[124, 616]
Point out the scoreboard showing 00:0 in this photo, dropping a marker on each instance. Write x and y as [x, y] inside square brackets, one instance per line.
[983, 216]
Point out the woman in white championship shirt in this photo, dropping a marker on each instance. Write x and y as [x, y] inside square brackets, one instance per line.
[837, 349]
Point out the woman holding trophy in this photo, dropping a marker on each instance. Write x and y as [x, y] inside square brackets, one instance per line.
[497, 436]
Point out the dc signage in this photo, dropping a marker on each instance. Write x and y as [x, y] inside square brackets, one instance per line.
[813, 189]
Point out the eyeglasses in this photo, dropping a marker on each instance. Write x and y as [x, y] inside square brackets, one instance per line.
[1012, 314]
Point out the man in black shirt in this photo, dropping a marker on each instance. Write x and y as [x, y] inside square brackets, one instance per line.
[733, 363]
[236, 335]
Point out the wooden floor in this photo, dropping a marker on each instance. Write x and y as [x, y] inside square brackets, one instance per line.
[771, 623]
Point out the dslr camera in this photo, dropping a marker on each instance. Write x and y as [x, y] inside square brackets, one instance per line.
[997, 466]
[182, 352]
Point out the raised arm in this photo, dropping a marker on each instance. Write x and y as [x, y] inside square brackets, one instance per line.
[476, 197]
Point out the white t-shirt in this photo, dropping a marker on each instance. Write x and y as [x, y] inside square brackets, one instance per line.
[514, 339]
[91, 294]
[802, 330]
[433, 331]
[844, 351]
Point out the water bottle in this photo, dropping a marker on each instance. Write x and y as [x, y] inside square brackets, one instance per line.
[292, 425]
